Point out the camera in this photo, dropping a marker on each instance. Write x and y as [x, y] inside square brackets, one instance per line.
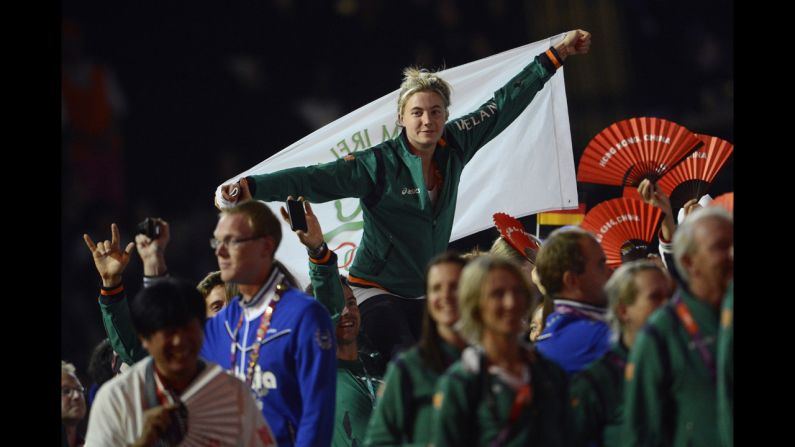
[149, 228]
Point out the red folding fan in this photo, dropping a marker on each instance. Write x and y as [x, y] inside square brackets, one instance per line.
[628, 151]
[626, 228]
[693, 176]
[514, 233]
[725, 200]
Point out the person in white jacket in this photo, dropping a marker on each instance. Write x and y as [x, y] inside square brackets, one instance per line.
[172, 397]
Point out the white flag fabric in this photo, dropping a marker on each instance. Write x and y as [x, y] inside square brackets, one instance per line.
[527, 169]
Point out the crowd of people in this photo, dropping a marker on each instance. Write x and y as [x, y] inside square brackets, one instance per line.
[417, 345]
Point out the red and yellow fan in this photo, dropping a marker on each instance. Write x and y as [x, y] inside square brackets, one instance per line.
[514, 233]
[725, 200]
[624, 227]
[628, 151]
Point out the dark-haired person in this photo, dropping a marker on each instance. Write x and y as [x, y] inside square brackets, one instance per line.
[360, 371]
[217, 294]
[403, 410]
[402, 232]
[103, 365]
[144, 406]
[572, 269]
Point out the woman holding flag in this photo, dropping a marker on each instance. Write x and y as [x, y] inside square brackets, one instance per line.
[408, 188]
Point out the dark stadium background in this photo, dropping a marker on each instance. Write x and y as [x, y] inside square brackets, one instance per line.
[213, 88]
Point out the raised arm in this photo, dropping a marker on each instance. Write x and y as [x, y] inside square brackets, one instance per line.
[323, 271]
[343, 178]
[473, 130]
[110, 261]
[153, 251]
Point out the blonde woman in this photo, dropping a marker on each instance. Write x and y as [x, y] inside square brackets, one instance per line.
[408, 187]
[501, 392]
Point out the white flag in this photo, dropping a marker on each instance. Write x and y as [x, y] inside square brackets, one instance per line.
[527, 169]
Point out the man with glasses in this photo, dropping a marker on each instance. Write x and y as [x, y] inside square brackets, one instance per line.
[272, 336]
[73, 405]
[282, 340]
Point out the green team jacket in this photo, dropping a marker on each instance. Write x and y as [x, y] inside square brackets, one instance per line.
[463, 414]
[597, 399]
[325, 278]
[726, 370]
[118, 325]
[403, 410]
[357, 381]
[670, 399]
[402, 230]
[356, 388]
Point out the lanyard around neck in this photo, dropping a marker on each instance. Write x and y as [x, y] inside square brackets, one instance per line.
[522, 399]
[683, 312]
[265, 322]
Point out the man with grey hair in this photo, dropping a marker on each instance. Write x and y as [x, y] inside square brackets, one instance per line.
[670, 389]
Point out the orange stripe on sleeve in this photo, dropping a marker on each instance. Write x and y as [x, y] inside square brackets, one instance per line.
[554, 60]
[322, 260]
[115, 291]
[363, 282]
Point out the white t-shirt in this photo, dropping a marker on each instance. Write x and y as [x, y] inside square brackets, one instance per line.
[221, 410]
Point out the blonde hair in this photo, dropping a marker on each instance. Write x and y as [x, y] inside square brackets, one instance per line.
[421, 80]
[472, 254]
[68, 368]
[621, 287]
[501, 247]
[470, 289]
[260, 218]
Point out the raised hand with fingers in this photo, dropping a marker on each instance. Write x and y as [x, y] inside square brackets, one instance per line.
[312, 238]
[109, 259]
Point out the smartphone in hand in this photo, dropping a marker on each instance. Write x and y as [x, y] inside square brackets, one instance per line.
[295, 210]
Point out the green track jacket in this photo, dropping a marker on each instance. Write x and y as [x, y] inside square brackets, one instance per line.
[597, 400]
[472, 406]
[403, 412]
[726, 371]
[402, 230]
[669, 397]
